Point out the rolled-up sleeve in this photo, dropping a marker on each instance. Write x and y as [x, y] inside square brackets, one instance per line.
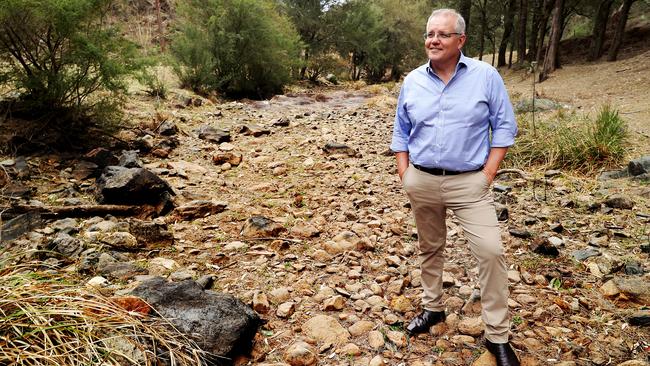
[502, 117]
[402, 126]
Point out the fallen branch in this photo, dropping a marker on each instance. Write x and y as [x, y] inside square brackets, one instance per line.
[72, 211]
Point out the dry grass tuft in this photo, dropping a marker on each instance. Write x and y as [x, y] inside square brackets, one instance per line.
[46, 321]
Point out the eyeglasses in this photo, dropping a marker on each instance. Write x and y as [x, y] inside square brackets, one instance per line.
[432, 35]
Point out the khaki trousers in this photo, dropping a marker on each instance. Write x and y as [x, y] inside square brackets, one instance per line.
[469, 197]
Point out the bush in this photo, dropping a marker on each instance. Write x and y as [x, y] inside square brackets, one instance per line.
[571, 142]
[63, 57]
[238, 47]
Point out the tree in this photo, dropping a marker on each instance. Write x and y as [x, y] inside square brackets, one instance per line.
[237, 47]
[620, 30]
[309, 18]
[521, 29]
[64, 57]
[509, 15]
[465, 10]
[598, 31]
[551, 58]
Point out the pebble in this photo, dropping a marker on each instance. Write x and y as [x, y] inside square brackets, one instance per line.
[375, 339]
[377, 361]
[286, 309]
[300, 354]
[471, 326]
[396, 337]
[360, 328]
[351, 349]
[324, 328]
[261, 302]
[334, 303]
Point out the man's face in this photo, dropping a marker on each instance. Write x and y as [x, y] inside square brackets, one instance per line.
[442, 50]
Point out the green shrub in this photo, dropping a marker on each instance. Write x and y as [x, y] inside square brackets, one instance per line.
[63, 57]
[237, 47]
[571, 142]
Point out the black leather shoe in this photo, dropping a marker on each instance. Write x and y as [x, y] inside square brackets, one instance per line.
[424, 321]
[503, 352]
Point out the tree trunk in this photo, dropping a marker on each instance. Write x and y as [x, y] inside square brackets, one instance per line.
[554, 42]
[534, 29]
[548, 7]
[481, 36]
[160, 27]
[598, 32]
[620, 30]
[465, 9]
[523, 20]
[507, 30]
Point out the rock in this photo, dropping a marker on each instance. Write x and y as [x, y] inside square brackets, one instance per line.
[397, 338]
[376, 339]
[609, 289]
[19, 225]
[351, 349]
[639, 166]
[640, 318]
[121, 241]
[84, 170]
[161, 266]
[281, 122]
[121, 270]
[462, 340]
[471, 326]
[254, 130]
[182, 275]
[101, 157]
[206, 281]
[212, 134]
[401, 304]
[261, 227]
[540, 104]
[199, 208]
[633, 268]
[97, 281]
[167, 128]
[377, 361]
[520, 233]
[620, 202]
[152, 234]
[234, 159]
[581, 255]
[502, 211]
[513, 276]
[235, 246]
[634, 288]
[486, 359]
[339, 149]
[66, 245]
[360, 328]
[219, 323]
[612, 174]
[300, 354]
[286, 309]
[325, 329]
[334, 303]
[261, 303]
[226, 146]
[279, 295]
[304, 230]
[132, 186]
[633, 363]
[543, 246]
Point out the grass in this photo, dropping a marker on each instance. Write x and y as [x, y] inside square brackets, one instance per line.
[44, 321]
[571, 141]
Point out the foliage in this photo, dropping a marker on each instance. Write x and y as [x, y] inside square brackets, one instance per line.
[571, 141]
[64, 58]
[238, 47]
[46, 321]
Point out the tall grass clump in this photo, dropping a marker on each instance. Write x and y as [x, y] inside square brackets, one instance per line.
[570, 141]
[46, 321]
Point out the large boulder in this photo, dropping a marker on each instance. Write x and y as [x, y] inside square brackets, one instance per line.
[219, 323]
[132, 186]
[212, 134]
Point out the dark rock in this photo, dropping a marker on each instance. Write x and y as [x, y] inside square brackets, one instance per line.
[88, 260]
[645, 248]
[639, 166]
[151, 234]
[640, 318]
[613, 174]
[520, 233]
[67, 225]
[199, 208]
[633, 269]
[16, 189]
[84, 170]
[260, 227]
[336, 148]
[19, 225]
[501, 188]
[167, 128]
[528, 221]
[101, 157]
[212, 134]
[233, 159]
[220, 323]
[619, 201]
[66, 245]
[281, 122]
[121, 270]
[254, 130]
[502, 211]
[119, 185]
[544, 247]
[557, 227]
[583, 254]
[129, 159]
[206, 281]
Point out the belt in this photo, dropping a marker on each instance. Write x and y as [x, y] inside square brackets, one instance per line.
[438, 171]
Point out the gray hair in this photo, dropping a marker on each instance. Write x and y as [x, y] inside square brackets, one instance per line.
[460, 22]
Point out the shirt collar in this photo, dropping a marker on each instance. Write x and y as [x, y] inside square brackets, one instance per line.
[462, 62]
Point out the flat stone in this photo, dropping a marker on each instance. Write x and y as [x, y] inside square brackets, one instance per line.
[583, 254]
[361, 327]
[471, 326]
[286, 309]
[376, 339]
[609, 289]
[396, 337]
[325, 329]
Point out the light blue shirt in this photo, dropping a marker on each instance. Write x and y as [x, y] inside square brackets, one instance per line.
[449, 126]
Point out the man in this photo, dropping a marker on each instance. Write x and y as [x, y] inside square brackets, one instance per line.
[453, 126]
